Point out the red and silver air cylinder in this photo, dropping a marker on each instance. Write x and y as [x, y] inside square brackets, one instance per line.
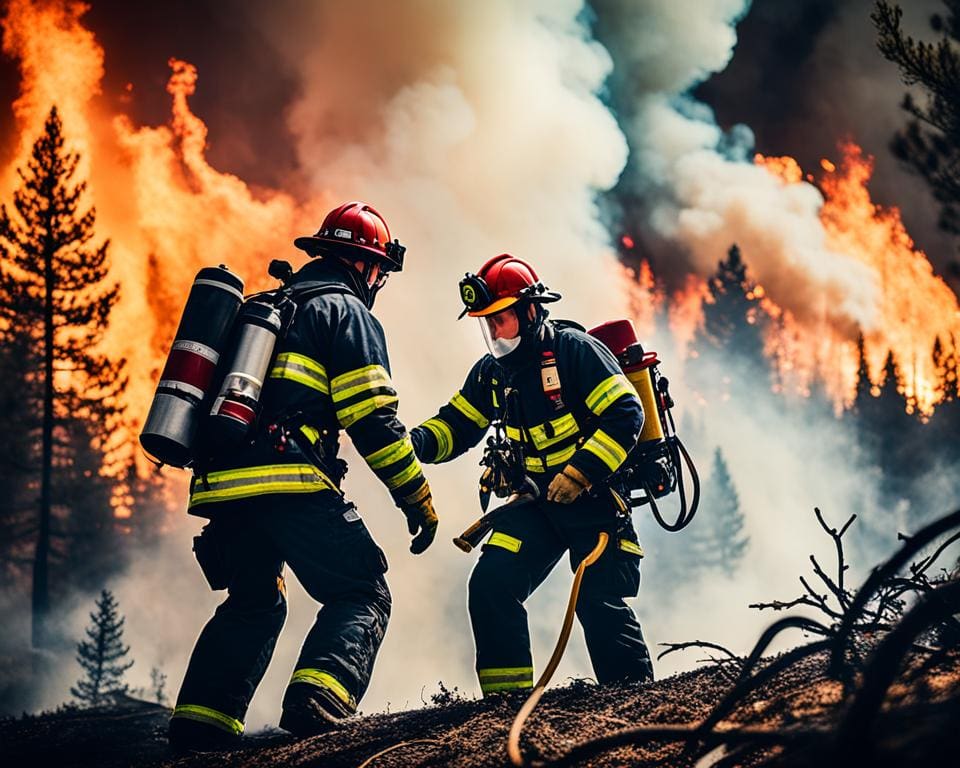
[236, 406]
[188, 375]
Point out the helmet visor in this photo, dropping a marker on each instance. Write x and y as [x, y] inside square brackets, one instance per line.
[501, 332]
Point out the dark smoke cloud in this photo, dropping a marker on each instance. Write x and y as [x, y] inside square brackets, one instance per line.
[806, 74]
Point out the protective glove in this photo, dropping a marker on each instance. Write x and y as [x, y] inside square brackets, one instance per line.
[567, 485]
[422, 518]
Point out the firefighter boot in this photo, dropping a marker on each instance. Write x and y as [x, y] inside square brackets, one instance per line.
[188, 737]
[310, 710]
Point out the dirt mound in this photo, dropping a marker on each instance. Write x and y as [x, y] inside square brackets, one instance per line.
[792, 720]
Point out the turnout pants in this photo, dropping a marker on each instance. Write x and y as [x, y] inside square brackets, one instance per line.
[518, 556]
[327, 546]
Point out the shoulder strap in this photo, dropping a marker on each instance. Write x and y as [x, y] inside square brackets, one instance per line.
[558, 324]
[303, 292]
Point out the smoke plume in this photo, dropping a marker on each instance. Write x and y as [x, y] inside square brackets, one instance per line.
[475, 129]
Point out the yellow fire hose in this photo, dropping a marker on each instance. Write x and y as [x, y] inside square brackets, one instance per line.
[513, 741]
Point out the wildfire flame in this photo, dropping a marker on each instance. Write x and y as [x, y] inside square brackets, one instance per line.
[168, 212]
[165, 209]
[915, 305]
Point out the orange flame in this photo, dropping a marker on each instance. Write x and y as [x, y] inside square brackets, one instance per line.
[915, 305]
[166, 211]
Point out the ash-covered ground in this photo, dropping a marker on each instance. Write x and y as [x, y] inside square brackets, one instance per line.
[793, 719]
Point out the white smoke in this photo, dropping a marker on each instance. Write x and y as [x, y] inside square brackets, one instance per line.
[475, 129]
[702, 194]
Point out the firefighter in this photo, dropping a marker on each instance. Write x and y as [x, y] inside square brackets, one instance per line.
[278, 502]
[572, 417]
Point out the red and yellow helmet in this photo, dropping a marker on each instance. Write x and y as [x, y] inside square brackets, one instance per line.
[355, 230]
[502, 282]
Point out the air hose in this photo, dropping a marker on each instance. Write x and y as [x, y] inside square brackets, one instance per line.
[513, 740]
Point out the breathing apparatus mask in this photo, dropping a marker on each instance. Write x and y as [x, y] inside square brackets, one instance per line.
[520, 332]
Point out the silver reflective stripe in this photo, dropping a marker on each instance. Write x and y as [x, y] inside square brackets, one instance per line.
[221, 286]
[181, 386]
[196, 348]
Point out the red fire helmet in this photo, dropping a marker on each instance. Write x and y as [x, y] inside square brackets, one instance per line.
[502, 282]
[355, 230]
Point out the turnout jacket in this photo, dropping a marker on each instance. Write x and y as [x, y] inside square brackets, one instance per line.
[331, 372]
[595, 426]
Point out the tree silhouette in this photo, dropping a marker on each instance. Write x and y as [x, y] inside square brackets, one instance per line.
[864, 387]
[731, 338]
[930, 142]
[717, 540]
[101, 655]
[55, 301]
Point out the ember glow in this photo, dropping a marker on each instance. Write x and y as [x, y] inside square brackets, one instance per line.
[915, 305]
[166, 211]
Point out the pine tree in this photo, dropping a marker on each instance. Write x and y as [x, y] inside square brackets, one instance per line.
[55, 301]
[158, 683]
[101, 655]
[930, 143]
[945, 360]
[864, 387]
[717, 539]
[731, 338]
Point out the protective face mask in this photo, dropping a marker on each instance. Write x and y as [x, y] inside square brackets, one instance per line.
[498, 347]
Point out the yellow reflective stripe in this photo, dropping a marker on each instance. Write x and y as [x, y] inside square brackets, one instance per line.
[631, 546]
[504, 540]
[359, 380]
[301, 369]
[262, 470]
[404, 476]
[311, 433]
[256, 481]
[323, 679]
[514, 434]
[209, 716]
[390, 454]
[463, 405]
[352, 414]
[505, 678]
[608, 450]
[418, 495]
[609, 391]
[563, 427]
[444, 435]
[534, 464]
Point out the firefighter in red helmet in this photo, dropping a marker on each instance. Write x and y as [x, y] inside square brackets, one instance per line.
[570, 417]
[278, 501]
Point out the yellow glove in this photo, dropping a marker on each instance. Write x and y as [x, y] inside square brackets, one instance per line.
[421, 517]
[567, 485]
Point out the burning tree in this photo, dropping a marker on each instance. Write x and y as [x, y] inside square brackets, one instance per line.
[731, 338]
[61, 394]
[100, 655]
